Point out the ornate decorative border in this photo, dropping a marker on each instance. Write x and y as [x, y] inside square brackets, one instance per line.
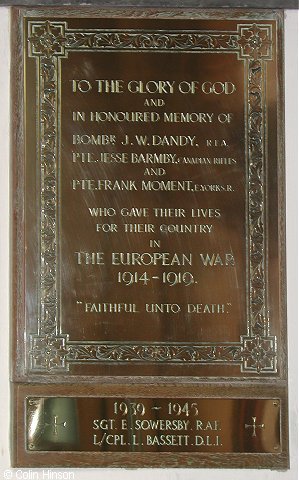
[52, 351]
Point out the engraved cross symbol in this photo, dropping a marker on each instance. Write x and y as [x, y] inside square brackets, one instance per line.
[55, 424]
[254, 426]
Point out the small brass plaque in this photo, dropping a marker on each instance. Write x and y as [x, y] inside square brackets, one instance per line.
[153, 425]
[149, 238]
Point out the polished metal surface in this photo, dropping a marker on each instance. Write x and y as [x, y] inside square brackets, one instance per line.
[153, 425]
[151, 178]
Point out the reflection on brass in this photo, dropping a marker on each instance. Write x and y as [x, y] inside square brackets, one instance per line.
[52, 421]
[150, 425]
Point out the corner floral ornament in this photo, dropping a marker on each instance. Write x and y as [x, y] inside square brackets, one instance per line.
[259, 353]
[49, 352]
[255, 42]
[48, 39]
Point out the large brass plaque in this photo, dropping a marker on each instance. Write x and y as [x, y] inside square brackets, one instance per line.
[149, 243]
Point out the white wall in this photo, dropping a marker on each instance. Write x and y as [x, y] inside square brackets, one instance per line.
[291, 59]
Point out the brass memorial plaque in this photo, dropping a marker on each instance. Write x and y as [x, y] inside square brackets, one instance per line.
[144, 425]
[149, 309]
